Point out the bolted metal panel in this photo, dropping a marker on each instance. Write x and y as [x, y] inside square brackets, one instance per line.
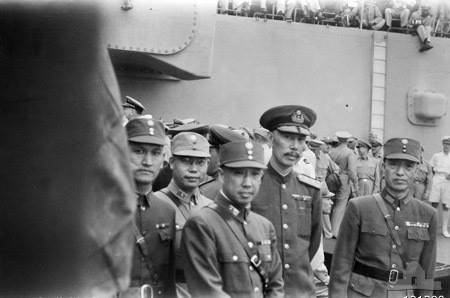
[162, 27]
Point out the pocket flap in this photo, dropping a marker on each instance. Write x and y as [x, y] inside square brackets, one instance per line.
[419, 234]
[374, 228]
[233, 258]
[164, 231]
[362, 284]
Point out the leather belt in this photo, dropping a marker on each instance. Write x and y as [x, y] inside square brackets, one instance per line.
[391, 276]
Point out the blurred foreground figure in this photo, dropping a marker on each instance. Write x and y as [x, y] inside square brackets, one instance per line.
[67, 205]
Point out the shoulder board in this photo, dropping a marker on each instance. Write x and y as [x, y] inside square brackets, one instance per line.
[309, 181]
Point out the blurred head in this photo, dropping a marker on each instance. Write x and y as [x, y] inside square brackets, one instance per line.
[446, 144]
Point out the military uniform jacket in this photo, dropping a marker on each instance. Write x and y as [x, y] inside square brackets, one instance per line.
[155, 220]
[364, 237]
[294, 208]
[184, 206]
[216, 262]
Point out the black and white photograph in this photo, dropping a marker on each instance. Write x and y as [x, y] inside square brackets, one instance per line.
[225, 148]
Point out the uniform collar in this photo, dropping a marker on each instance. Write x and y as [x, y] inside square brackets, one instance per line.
[276, 169]
[143, 201]
[363, 158]
[393, 201]
[183, 196]
[241, 214]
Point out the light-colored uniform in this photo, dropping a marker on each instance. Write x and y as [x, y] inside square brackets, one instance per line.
[368, 174]
[440, 187]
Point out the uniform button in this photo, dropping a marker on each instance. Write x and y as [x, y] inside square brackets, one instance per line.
[283, 186]
[256, 289]
[250, 244]
[159, 292]
[398, 208]
[285, 226]
[250, 268]
[394, 246]
[396, 228]
[394, 266]
[286, 246]
[235, 258]
[287, 266]
[284, 206]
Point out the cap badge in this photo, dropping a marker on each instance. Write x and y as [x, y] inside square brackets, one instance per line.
[404, 141]
[151, 131]
[249, 145]
[193, 139]
[298, 117]
[150, 123]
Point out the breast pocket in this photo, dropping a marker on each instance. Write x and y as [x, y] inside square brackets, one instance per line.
[235, 265]
[165, 232]
[374, 228]
[416, 239]
[265, 252]
[304, 209]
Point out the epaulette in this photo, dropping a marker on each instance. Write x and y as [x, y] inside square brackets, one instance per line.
[310, 181]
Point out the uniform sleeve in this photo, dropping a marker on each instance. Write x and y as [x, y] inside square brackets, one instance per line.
[433, 161]
[344, 253]
[428, 181]
[201, 264]
[377, 182]
[428, 257]
[333, 167]
[352, 171]
[276, 272]
[316, 224]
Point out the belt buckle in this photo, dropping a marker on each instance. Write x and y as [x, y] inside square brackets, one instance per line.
[255, 261]
[393, 276]
[146, 291]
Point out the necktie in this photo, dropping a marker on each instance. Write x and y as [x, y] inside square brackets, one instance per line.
[143, 202]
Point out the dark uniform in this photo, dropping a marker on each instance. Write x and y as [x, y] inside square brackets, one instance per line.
[230, 250]
[293, 205]
[156, 221]
[294, 208]
[218, 265]
[154, 255]
[367, 261]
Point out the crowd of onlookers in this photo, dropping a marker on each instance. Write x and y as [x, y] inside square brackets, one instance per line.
[420, 17]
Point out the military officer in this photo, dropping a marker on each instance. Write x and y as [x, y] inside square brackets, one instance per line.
[387, 243]
[367, 170]
[218, 135]
[230, 250]
[153, 259]
[186, 125]
[189, 161]
[131, 108]
[422, 180]
[291, 202]
[346, 160]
